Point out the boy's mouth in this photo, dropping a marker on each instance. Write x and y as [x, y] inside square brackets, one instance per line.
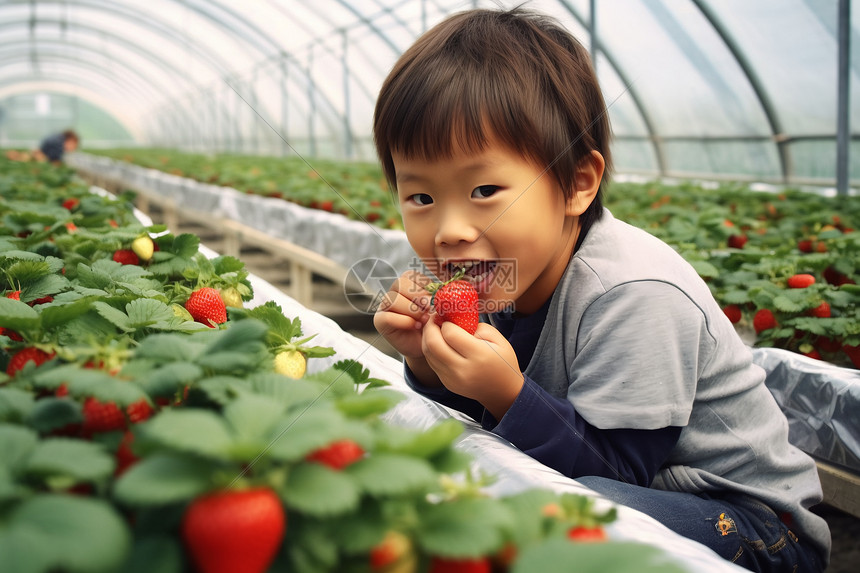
[477, 272]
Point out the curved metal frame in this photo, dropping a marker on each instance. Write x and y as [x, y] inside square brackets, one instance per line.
[770, 113]
[598, 47]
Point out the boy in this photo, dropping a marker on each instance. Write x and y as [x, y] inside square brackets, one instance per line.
[615, 365]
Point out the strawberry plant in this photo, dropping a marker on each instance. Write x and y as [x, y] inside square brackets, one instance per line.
[136, 438]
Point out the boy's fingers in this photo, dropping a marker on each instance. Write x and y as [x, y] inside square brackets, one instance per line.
[411, 285]
[394, 302]
[390, 322]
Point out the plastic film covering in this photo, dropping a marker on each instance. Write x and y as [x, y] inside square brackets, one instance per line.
[333, 236]
[821, 402]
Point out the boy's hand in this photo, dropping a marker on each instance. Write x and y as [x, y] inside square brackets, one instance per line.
[403, 312]
[483, 367]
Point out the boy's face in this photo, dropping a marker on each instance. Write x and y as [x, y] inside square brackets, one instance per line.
[70, 144]
[495, 210]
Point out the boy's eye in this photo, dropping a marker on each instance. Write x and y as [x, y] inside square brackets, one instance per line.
[484, 191]
[421, 199]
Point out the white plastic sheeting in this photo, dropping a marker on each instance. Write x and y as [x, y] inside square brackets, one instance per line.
[333, 236]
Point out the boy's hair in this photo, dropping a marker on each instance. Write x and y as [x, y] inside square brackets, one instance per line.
[514, 75]
[71, 134]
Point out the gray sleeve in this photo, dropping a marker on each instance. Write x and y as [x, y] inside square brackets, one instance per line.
[640, 350]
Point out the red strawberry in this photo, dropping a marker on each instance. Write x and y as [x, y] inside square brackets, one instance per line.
[763, 320]
[206, 306]
[107, 416]
[828, 344]
[327, 206]
[393, 547]
[337, 455]
[126, 257]
[449, 565]
[14, 295]
[804, 246]
[821, 311]
[24, 356]
[812, 354]
[800, 281]
[457, 302]
[737, 241]
[587, 534]
[125, 457]
[836, 278]
[734, 313]
[853, 352]
[234, 531]
[71, 203]
[71, 227]
[102, 417]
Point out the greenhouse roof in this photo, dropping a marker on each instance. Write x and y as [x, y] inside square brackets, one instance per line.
[727, 88]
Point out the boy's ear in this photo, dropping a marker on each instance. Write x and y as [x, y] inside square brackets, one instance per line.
[589, 174]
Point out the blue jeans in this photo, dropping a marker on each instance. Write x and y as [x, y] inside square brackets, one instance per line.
[737, 527]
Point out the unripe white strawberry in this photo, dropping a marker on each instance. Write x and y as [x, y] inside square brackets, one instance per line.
[291, 363]
[143, 247]
[231, 297]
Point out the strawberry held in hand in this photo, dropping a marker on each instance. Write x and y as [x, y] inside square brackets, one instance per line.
[456, 301]
[206, 306]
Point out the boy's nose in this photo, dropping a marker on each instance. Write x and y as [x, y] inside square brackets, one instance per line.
[455, 227]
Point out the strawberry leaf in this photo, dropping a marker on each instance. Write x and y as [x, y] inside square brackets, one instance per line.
[319, 491]
[116, 317]
[164, 478]
[84, 461]
[390, 474]
[305, 430]
[17, 315]
[169, 378]
[155, 553]
[786, 304]
[467, 528]
[64, 533]
[148, 312]
[555, 556]
[369, 404]
[253, 417]
[423, 444]
[90, 382]
[15, 405]
[16, 443]
[286, 390]
[190, 430]
[57, 315]
[50, 414]
[360, 531]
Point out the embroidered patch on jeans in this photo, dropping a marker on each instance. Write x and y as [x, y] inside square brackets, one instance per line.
[725, 525]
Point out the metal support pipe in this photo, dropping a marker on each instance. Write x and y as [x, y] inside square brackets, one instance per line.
[592, 32]
[285, 107]
[347, 129]
[843, 118]
[312, 141]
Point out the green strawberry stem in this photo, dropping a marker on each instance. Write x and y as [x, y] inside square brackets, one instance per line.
[435, 286]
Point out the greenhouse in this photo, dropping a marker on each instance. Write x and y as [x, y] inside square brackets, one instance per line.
[229, 232]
